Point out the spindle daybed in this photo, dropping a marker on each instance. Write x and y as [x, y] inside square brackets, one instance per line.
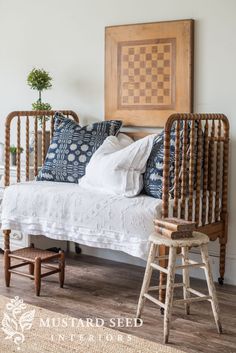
[199, 193]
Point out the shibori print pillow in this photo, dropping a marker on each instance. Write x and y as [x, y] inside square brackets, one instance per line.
[72, 147]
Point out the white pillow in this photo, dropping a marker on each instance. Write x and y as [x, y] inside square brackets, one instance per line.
[116, 169]
[124, 139]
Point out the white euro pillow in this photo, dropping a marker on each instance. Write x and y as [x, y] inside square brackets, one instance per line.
[117, 169]
[124, 139]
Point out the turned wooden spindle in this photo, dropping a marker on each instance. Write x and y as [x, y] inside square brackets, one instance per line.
[211, 171]
[218, 171]
[224, 200]
[176, 180]
[7, 155]
[166, 170]
[191, 171]
[205, 174]
[43, 139]
[51, 127]
[165, 204]
[225, 169]
[184, 171]
[35, 146]
[198, 174]
[27, 149]
[18, 152]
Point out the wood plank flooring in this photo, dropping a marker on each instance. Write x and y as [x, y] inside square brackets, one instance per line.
[105, 289]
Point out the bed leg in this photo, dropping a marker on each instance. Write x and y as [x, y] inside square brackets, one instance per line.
[222, 263]
[7, 259]
[163, 250]
[62, 269]
[78, 249]
[6, 234]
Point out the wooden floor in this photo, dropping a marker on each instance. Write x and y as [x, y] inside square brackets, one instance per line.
[105, 289]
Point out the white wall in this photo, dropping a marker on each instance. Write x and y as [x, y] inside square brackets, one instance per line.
[67, 39]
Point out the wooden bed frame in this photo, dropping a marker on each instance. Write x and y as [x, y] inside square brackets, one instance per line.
[200, 175]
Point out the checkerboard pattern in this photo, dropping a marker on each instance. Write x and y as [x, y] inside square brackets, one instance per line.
[145, 75]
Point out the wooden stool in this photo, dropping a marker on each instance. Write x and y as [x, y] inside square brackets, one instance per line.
[198, 239]
[36, 259]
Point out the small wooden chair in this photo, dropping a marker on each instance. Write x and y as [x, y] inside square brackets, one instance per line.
[157, 240]
[36, 259]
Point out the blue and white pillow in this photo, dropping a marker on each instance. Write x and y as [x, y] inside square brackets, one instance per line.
[153, 176]
[72, 147]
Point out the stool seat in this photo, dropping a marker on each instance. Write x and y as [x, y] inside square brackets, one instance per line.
[190, 295]
[30, 254]
[196, 240]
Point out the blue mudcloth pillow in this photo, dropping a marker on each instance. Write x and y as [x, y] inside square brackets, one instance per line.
[72, 147]
[153, 176]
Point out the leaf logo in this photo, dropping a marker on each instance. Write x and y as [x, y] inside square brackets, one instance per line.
[16, 321]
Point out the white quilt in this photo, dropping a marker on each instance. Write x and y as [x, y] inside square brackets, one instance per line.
[67, 212]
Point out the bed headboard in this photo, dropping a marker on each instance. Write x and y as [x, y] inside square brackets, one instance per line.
[46, 118]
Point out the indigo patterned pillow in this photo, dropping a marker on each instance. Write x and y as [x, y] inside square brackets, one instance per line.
[153, 176]
[72, 147]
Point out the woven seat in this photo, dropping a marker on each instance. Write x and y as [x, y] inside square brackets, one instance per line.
[31, 253]
[36, 260]
[189, 294]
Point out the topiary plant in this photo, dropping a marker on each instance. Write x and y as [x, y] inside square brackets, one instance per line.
[40, 80]
[14, 149]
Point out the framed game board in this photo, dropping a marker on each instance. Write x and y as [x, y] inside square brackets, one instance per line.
[148, 72]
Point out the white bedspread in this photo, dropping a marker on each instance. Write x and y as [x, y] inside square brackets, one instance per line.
[67, 212]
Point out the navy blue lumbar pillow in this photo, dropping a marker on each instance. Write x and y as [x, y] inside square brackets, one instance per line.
[153, 176]
[72, 147]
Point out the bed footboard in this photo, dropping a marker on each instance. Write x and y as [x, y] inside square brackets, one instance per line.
[22, 123]
[199, 173]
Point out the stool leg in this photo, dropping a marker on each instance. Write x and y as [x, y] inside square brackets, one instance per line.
[31, 266]
[163, 250]
[31, 269]
[37, 275]
[62, 268]
[7, 265]
[211, 286]
[186, 281]
[169, 292]
[146, 279]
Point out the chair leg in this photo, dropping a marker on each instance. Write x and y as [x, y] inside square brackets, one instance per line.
[169, 292]
[7, 265]
[211, 286]
[37, 275]
[146, 279]
[186, 281]
[62, 268]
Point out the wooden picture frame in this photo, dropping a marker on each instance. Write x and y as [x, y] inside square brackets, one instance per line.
[148, 72]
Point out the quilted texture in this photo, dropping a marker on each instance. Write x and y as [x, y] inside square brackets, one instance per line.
[153, 176]
[72, 147]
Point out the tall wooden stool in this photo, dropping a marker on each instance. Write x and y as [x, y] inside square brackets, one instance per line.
[37, 260]
[198, 239]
